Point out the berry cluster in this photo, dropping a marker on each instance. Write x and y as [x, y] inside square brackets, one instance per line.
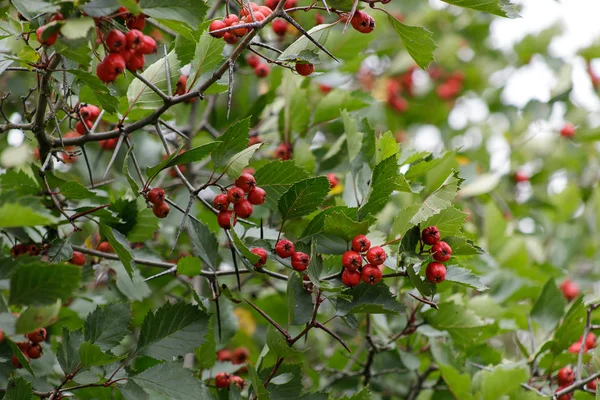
[32, 349]
[451, 86]
[440, 251]
[397, 86]
[352, 261]
[224, 380]
[245, 185]
[285, 249]
[590, 343]
[565, 377]
[21, 249]
[156, 197]
[126, 51]
[238, 356]
[246, 16]
[261, 69]
[89, 115]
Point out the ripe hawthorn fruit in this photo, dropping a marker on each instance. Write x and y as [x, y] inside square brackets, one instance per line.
[156, 195]
[80, 128]
[78, 258]
[116, 41]
[240, 354]
[361, 243]
[246, 182]
[161, 210]
[362, 22]
[350, 278]
[565, 376]
[435, 272]
[568, 130]
[351, 260]
[224, 219]
[262, 70]
[333, 180]
[37, 336]
[220, 202]
[590, 340]
[34, 351]
[279, 26]
[222, 380]
[304, 69]
[262, 253]
[253, 60]
[257, 196]
[215, 26]
[371, 274]
[430, 235]
[49, 41]
[224, 355]
[105, 247]
[569, 289]
[300, 261]
[235, 195]
[243, 208]
[441, 251]
[284, 248]
[376, 255]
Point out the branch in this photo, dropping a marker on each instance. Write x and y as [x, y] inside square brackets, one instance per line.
[39, 124]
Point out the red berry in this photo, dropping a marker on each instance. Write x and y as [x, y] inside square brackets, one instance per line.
[37, 336]
[284, 151]
[1, 336]
[138, 22]
[592, 385]
[351, 260]
[115, 63]
[23, 346]
[305, 69]
[361, 243]
[215, 26]
[262, 70]
[262, 253]
[245, 11]
[285, 248]
[362, 22]
[116, 41]
[57, 17]
[333, 180]
[371, 274]
[258, 16]
[161, 210]
[35, 351]
[136, 61]
[520, 176]
[319, 19]
[224, 219]
[240, 355]
[399, 104]
[565, 376]
[246, 182]
[243, 208]
[224, 355]
[148, 45]
[78, 258]
[49, 41]
[90, 112]
[222, 380]
[266, 11]
[235, 195]
[181, 85]
[569, 289]
[376, 255]
[104, 74]
[80, 128]
[568, 130]
[441, 251]
[109, 144]
[105, 247]
[350, 278]
[230, 38]
[257, 196]
[221, 202]
[300, 261]
[280, 27]
[576, 347]
[430, 235]
[156, 195]
[134, 39]
[590, 340]
[16, 362]
[253, 60]
[238, 381]
[231, 19]
[32, 249]
[435, 272]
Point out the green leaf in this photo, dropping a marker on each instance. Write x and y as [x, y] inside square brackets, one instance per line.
[173, 330]
[418, 41]
[299, 301]
[278, 344]
[190, 12]
[43, 283]
[19, 182]
[73, 190]
[207, 55]
[14, 215]
[18, 388]
[145, 226]
[132, 183]
[465, 277]
[303, 197]
[329, 107]
[305, 50]
[462, 324]
[68, 350]
[77, 28]
[570, 328]
[60, 250]
[257, 384]
[240, 161]
[234, 140]
[373, 299]
[338, 223]
[189, 266]
[100, 8]
[462, 246]
[503, 8]
[141, 95]
[173, 381]
[108, 325]
[363, 394]
[23, 360]
[386, 146]
[99, 90]
[439, 199]
[132, 391]
[421, 285]
[459, 384]
[121, 246]
[37, 317]
[151, 172]
[276, 177]
[80, 54]
[384, 181]
[251, 257]
[33, 8]
[449, 221]
[91, 356]
[190, 156]
[204, 243]
[549, 307]
[503, 379]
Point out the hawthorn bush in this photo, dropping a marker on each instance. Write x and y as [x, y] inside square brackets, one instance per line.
[223, 199]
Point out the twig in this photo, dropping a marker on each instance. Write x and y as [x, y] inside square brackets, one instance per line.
[271, 321]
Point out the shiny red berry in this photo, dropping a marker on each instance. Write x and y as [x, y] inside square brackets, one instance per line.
[148, 45]
[253, 60]
[16, 362]
[161, 210]
[80, 128]
[430, 235]
[104, 74]
[222, 380]
[138, 22]
[300, 261]
[569, 289]
[568, 130]
[441, 251]
[224, 219]
[243, 208]
[134, 39]
[221, 202]
[105, 247]
[590, 340]
[262, 253]
[376, 255]
[78, 258]
[136, 61]
[435, 272]
[350, 278]
[371, 274]
[37, 336]
[90, 112]
[262, 70]
[565, 376]
[215, 26]
[116, 41]
[35, 351]
[224, 355]
[285, 248]
[362, 22]
[49, 41]
[235, 195]
[361, 243]
[351, 260]
[257, 196]
[246, 182]
[156, 195]
[115, 63]
[305, 69]
[333, 180]
[280, 27]
[240, 355]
